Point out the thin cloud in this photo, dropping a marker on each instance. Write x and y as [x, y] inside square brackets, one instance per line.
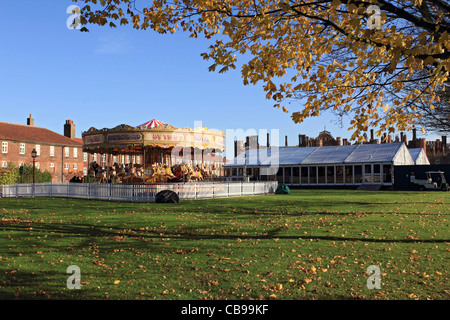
[113, 45]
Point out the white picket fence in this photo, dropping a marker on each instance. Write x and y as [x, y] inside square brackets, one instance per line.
[138, 193]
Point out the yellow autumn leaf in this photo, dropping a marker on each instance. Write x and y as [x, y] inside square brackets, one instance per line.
[117, 282]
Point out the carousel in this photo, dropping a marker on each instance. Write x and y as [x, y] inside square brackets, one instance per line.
[153, 152]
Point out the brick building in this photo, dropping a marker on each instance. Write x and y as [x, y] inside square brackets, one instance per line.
[61, 155]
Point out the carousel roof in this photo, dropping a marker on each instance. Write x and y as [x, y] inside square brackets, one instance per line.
[151, 124]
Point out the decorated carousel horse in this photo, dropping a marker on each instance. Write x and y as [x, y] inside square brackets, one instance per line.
[194, 175]
[161, 173]
[178, 173]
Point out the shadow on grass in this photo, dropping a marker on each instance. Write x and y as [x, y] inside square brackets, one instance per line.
[89, 231]
[28, 286]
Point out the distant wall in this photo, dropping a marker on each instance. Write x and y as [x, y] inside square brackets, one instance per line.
[402, 174]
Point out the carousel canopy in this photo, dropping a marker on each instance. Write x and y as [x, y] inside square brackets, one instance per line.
[152, 134]
[151, 124]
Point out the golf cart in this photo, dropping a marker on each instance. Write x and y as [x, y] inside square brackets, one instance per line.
[435, 181]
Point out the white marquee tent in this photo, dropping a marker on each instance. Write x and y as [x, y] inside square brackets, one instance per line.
[349, 164]
[419, 156]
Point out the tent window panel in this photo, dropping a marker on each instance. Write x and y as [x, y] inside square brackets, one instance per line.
[227, 172]
[280, 175]
[330, 175]
[348, 174]
[255, 176]
[368, 173]
[358, 174]
[234, 171]
[339, 174]
[376, 173]
[287, 175]
[296, 175]
[312, 174]
[241, 172]
[304, 176]
[387, 173]
[321, 171]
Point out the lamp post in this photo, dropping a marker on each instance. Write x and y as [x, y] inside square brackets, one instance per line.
[33, 155]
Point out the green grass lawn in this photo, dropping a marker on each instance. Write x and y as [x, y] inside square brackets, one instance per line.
[310, 244]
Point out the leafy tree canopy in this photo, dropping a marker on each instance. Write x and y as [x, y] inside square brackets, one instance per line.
[356, 58]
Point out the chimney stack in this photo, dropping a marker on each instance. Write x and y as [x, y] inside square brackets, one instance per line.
[238, 147]
[423, 144]
[268, 141]
[69, 129]
[444, 145]
[30, 121]
[285, 141]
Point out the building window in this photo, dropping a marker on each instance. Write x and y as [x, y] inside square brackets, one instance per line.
[22, 148]
[52, 151]
[38, 165]
[103, 158]
[75, 152]
[75, 166]
[4, 147]
[94, 157]
[66, 166]
[21, 164]
[66, 152]
[4, 164]
[38, 149]
[115, 159]
[85, 171]
[52, 165]
[85, 158]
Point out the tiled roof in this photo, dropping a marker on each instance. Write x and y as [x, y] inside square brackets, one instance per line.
[26, 133]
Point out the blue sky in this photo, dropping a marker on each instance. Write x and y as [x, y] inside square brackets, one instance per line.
[107, 77]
